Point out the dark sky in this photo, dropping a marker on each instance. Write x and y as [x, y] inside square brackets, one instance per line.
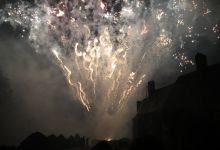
[41, 99]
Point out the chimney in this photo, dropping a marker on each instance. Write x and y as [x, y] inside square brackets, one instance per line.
[151, 88]
[201, 61]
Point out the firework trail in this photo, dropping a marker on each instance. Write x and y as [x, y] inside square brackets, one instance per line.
[107, 49]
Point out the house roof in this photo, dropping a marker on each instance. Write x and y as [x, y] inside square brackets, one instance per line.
[195, 89]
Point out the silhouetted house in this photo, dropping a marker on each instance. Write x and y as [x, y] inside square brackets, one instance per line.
[186, 114]
[148, 118]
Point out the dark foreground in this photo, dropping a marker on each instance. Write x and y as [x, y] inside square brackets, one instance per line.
[38, 141]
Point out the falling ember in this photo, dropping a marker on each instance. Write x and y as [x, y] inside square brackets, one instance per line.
[207, 12]
[107, 55]
[60, 13]
[160, 14]
[144, 30]
[102, 5]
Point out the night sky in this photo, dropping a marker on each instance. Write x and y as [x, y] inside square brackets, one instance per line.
[40, 98]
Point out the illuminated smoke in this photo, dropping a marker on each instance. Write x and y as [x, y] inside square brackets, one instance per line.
[106, 50]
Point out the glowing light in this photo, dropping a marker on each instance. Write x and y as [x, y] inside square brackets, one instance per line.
[215, 29]
[160, 14]
[102, 5]
[60, 13]
[109, 139]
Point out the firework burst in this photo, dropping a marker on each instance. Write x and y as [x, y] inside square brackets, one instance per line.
[107, 49]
